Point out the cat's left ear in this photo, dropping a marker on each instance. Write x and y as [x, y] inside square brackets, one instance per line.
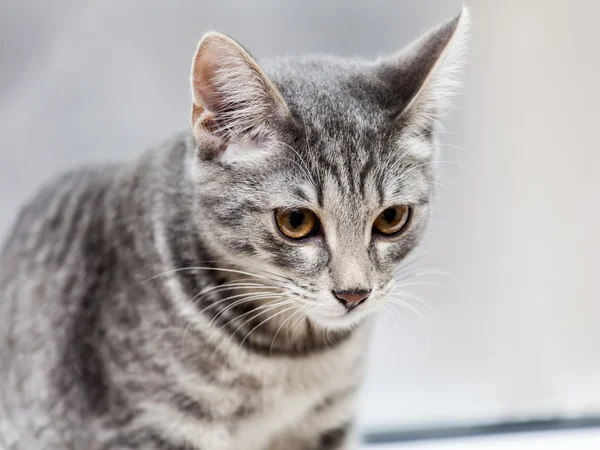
[421, 80]
[233, 101]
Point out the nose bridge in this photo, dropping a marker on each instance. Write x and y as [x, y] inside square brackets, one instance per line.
[350, 263]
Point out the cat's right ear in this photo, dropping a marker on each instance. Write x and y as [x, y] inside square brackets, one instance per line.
[234, 102]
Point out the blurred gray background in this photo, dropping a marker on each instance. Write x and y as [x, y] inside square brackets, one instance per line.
[516, 223]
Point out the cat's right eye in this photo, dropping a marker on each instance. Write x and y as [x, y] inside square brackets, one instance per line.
[297, 223]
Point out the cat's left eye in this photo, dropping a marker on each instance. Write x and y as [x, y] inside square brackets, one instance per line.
[393, 220]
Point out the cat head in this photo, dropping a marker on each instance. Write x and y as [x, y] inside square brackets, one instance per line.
[315, 173]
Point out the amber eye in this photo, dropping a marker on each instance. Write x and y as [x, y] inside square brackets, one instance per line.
[392, 220]
[296, 223]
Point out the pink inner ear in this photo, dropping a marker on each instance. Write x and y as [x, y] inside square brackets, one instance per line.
[206, 94]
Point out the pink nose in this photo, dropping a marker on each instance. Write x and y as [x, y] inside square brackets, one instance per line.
[351, 299]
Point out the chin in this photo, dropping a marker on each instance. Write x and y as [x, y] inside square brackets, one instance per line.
[341, 322]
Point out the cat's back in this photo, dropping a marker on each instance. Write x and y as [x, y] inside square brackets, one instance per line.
[43, 264]
[46, 230]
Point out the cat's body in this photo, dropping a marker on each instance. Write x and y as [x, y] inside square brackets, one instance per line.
[102, 361]
[125, 318]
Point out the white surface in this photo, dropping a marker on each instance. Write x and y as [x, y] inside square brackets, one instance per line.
[564, 440]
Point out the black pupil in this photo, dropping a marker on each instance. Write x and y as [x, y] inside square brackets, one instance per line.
[390, 214]
[296, 218]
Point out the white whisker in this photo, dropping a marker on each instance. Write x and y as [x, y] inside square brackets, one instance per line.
[280, 327]
[263, 322]
[167, 272]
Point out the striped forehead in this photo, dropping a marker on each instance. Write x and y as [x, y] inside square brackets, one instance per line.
[347, 175]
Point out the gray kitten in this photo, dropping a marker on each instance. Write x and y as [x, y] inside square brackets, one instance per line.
[215, 293]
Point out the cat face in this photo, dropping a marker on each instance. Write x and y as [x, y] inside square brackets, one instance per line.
[315, 174]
